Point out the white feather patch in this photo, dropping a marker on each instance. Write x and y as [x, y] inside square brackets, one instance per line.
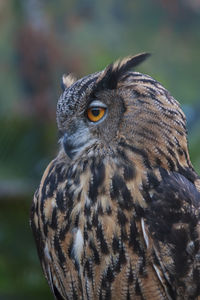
[144, 233]
[78, 245]
[158, 273]
[46, 253]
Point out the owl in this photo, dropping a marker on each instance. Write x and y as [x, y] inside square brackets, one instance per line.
[117, 212]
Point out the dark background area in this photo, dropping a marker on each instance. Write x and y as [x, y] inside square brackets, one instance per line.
[41, 40]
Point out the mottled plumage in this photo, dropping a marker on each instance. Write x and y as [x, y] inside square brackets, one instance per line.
[116, 215]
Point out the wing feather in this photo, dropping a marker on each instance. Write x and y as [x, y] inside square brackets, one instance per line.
[173, 220]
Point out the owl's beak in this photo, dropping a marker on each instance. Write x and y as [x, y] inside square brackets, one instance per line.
[76, 142]
[68, 146]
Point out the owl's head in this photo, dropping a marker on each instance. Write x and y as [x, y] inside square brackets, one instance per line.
[116, 111]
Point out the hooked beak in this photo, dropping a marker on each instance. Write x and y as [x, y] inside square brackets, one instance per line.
[68, 146]
[76, 142]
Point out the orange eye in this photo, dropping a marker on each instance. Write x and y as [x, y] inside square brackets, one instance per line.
[95, 114]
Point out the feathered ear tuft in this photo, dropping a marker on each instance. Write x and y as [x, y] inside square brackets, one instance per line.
[111, 75]
[67, 81]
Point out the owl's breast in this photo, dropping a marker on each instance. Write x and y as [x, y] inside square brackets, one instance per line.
[109, 250]
[93, 227]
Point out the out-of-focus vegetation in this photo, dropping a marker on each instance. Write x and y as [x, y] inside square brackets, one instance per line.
[41, 40]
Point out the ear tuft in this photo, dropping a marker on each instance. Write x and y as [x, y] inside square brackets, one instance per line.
[67, 81]
[112, 74]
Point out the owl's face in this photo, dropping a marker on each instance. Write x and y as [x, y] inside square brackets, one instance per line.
[90, 120]
[103, 111]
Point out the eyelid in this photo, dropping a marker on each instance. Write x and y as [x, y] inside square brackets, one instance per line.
[97, 103]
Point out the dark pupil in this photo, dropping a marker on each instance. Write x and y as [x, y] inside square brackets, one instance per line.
[95, 112]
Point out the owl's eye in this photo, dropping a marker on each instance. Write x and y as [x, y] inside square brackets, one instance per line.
[96, 111]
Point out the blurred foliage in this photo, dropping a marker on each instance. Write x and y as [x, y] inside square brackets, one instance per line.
[20, 273]
[41, 40]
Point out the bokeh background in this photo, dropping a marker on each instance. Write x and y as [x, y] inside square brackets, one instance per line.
[39, 41]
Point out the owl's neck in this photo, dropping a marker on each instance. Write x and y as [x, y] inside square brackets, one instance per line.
[147, 157]
[147, 160]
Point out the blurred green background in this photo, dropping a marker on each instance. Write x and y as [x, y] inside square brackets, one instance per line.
[41, 40]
